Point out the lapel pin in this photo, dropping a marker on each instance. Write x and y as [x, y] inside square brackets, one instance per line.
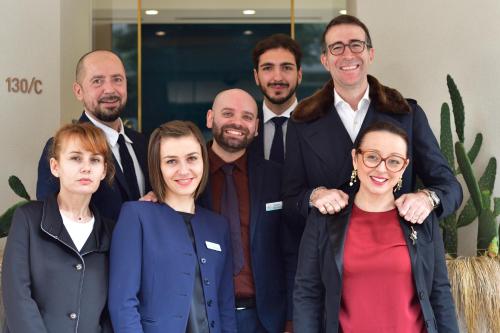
[413, 235]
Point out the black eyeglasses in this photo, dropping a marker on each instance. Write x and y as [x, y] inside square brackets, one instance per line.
[372, 159]
[356, 46]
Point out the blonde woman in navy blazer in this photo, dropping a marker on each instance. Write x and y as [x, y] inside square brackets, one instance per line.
[170, 261]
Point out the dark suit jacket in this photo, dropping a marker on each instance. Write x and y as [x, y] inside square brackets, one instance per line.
[108, 198]
[318, 284]
[152, 269]
[257, 145]
[319, 154]
[273, 244]
[45, 278]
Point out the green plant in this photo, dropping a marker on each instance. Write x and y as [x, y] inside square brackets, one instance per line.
[479, 205]
[6, 218]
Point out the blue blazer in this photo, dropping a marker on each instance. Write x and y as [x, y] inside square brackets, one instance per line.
[319, 154]
[274, 246]
[108, 198]
[152, 267]
[318, 284]
[257, 144]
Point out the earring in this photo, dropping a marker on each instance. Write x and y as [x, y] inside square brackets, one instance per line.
[354, 174]
[399, 185]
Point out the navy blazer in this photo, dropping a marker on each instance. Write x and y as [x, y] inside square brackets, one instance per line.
[257, 145]
[45, 278]
[319, 154]
[152, 267]
[318, 284]
[108, 198]
[273, 245]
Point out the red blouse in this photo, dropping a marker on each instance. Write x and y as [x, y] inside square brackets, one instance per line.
[378, 293]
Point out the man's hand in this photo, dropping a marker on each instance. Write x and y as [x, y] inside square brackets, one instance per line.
[329, 201]
[150, 196]
[414, 207]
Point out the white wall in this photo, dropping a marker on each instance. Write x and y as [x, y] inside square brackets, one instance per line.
[41, 39]
[418, 42]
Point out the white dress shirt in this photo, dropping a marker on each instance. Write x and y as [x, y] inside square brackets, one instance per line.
[269, 126]
[112, 138]
[352, 119]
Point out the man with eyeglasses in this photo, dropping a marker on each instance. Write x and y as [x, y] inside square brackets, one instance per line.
[323, 128]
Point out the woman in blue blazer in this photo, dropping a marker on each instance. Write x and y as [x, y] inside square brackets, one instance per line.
[365, 269]
[170, 261]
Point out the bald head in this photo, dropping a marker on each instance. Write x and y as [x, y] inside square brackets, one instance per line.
[96, 56]
[235, 97]
[233, 120]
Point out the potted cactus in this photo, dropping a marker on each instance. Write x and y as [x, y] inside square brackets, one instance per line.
[475, 281]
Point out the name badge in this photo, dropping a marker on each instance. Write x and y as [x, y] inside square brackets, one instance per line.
[270, 206]
[213, 246]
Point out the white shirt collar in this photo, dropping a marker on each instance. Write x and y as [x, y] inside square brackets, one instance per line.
[268, 114]
[111, 134]
[364, 100]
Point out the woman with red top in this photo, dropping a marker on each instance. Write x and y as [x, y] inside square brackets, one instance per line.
[365, 269]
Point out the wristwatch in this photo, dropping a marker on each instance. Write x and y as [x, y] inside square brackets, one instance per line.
[433, 198]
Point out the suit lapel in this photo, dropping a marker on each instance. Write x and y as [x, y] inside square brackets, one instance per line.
[337, 231]
[255, 187]
[140, 153]
[412, 248]
[329, 140]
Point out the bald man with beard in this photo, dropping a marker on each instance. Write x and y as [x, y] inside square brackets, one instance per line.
[263, 251]
[101, 86]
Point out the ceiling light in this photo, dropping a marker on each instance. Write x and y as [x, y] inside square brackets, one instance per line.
[160, 33]
[248, 32]
[151, 12]
[343, 12]
[249, 12]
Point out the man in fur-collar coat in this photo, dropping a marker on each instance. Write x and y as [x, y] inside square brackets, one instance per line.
[320, 136]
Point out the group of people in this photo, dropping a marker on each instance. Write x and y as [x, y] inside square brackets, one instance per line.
[295, 217]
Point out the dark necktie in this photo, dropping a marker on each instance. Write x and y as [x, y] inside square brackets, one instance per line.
[128, 169]
[229, 207]
[277, 148]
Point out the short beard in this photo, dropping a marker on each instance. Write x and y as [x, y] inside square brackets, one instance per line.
[279, 100]
[227, 145]
[108, 115]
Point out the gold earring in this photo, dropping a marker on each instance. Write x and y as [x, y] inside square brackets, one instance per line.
[399, 185]
[354, 174]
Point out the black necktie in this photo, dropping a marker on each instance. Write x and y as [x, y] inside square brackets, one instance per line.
[128, 169]
[277, 148]
[229, 207]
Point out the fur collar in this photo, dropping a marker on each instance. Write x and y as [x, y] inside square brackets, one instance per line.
[384, 99]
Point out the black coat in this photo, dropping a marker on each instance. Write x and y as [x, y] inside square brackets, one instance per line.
[108, 198]
[48, 285]
[318, 151]
[318, 282]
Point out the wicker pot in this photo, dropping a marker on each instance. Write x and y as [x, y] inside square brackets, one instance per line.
[475, 286]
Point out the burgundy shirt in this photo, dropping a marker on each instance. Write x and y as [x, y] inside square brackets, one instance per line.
[378, 293]
[243, 282]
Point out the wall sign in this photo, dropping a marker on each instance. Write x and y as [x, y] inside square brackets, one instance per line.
[24, 86]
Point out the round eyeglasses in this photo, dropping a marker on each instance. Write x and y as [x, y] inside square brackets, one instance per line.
[356, 46]
[372, 159]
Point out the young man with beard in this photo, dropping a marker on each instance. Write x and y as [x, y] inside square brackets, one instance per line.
[277, 73]
[101, 85]
[245, 188]
[324, 127]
